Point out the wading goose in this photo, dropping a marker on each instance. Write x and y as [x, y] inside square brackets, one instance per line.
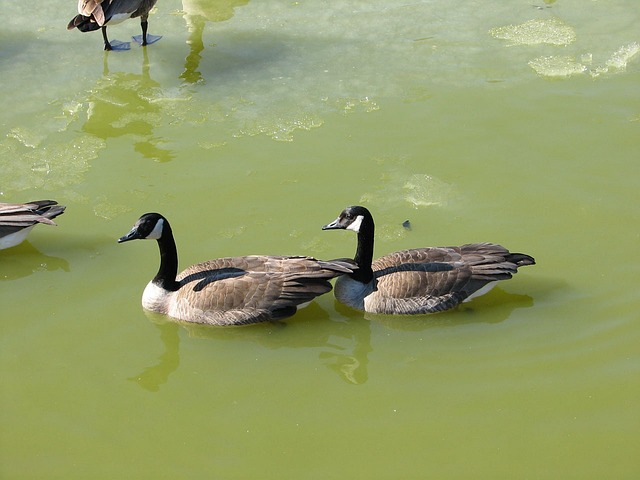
[95, 14]
[234, 290]
[421, 280]
[17, 219]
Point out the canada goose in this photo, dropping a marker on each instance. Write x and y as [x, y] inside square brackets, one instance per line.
[95, 14]
[421, 280]
[234, 290]
[17, 219]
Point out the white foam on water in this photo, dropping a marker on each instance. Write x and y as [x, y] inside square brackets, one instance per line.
[557, 66]
[562, 66]
[621, 57]
[551, 31]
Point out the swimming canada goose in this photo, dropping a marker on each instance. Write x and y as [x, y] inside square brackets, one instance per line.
[233, 290]
[17, 219]
[95, 14]
[421, 280]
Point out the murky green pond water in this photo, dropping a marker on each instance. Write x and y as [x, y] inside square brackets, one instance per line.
[250, 125]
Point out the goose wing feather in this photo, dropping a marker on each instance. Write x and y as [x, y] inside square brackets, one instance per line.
[442, 275]
[27, 214]
[90, 12]
[419, 273]
[92, 7]
[251, 289]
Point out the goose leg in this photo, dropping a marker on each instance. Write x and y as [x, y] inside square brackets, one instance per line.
[114, 44]
[146, 38]
[107, 45]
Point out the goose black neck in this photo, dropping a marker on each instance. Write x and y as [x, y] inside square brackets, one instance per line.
[166, 276]
[364, 251]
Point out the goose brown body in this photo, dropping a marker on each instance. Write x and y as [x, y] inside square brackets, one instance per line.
[421, 280]
[232, 290]
[17, 219]
[96, 14]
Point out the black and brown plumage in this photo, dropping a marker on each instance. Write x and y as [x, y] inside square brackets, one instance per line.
[97, 14]
[18, 219]
[233, 290]
[420, 280]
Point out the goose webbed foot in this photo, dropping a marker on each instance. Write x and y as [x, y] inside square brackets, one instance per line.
[117, 45]
[139, 39]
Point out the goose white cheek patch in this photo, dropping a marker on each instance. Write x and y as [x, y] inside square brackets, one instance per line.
[156, 233]
[355, 225]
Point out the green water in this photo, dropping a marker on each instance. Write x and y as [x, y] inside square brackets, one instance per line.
[250, 128]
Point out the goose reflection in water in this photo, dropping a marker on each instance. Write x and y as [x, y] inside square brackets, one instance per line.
[25, 260]
[158, 374]
[122, 104]
[344, 345]
[495, 307]
[196, 14]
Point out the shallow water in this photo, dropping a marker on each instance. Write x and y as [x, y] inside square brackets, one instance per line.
[252, 124]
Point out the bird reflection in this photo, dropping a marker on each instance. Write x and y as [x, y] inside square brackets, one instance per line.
[344, 345]
[347, 353]
[196, 14]
[123, 104]
[493, 307]
[152, 377]
[24, 260]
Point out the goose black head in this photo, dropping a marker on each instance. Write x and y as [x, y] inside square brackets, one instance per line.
[351, 218]
[149, 226]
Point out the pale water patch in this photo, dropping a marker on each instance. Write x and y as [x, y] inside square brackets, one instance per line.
[427, 191]
[53, 166]
[551, 31]
[28, 138]
[398, 190]
[622, 56]
[557, 66]
[397, 186]
[586, 43]
[279, 127]
[618, 61]
[109, 209]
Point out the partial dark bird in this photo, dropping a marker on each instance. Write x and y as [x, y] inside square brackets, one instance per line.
[420, 280]
[96, 14]
[18, 219]
[233, 290]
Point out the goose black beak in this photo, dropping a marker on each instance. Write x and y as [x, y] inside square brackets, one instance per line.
[335, 225]
[132, 235]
